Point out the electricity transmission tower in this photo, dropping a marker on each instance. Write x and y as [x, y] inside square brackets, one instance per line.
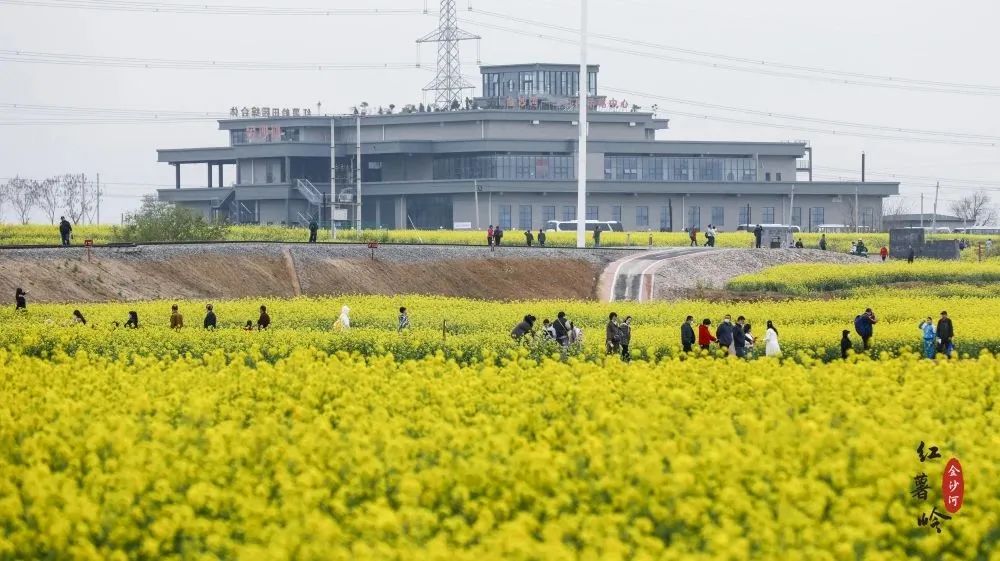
[448, 84]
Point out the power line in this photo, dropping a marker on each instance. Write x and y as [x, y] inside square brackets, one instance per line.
[748, 69]
[829, 131]
[131, 62]
[163, 7]
[907, 176]
[78, 110]
[842, 75]
[801, 118]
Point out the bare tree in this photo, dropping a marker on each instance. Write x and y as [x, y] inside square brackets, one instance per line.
[24, 196]
[75, 199]
[50, 196]
[976, 209]
[896, 206]
[5, 189]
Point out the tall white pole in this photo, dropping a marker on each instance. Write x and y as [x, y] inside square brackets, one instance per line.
[921, 211]
[475, 195]
[581, 158]
[99, 197]
[333, 178]
[791, 207]
[357, 224]
[937, 190]
[856, 225]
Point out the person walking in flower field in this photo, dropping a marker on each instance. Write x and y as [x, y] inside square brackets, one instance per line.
[625, 335]
[176, 319]
[771, 346]
[612, 335]
[724, 335]
[705, 337]
[687, 334]
[929, 335]
[264, 320]
[864, 325]
[20, 300]
[404, 320]
[489, 237]
[523, 328]
[945, 333]
[343, 322]
[845, 343]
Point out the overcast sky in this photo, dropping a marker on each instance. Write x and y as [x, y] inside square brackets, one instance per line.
[911, 39]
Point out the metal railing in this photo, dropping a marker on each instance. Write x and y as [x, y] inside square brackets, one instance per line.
[309, 191]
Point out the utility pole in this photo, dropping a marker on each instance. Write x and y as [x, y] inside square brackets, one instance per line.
[921, 211]
[475, 195]
[856, 225]
[937, 190]
[862, 167]
[581, 168]
[791, 206]
[357, 225]
[333, 177]
[99, 198]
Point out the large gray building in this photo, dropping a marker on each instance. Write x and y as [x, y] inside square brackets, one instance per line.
[512, 151]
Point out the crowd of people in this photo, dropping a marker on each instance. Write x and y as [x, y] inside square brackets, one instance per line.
[734, 338]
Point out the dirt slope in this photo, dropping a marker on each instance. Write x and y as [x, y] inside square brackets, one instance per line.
[208, 275]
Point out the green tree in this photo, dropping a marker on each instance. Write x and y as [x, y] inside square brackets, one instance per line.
[164, 222]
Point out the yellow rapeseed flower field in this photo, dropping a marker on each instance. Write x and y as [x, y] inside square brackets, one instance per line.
[41, 234]
[338, 456]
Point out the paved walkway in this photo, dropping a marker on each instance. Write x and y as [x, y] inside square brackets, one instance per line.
[632, 278]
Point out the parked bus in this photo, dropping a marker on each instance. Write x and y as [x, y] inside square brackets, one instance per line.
[980, 230]
[750, 227]
[590, 225]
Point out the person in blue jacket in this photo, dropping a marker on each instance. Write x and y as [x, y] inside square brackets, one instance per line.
[929, 337]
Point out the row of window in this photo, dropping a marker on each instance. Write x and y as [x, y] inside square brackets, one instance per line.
[670, 168]
[536, 82]
[498, 166]
[766, 215]
[264, 135]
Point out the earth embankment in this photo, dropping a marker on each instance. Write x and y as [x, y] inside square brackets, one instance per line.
[284, 270]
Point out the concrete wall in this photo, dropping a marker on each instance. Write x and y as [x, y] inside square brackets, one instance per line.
[490, 208]
[775, 165]
[900, 241]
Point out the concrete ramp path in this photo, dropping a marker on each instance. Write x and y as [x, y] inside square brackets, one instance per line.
[631, 278]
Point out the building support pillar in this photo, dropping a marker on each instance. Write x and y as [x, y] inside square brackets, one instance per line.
[209, 175]
[177, 175]
[287, 175]
[221, 184]
[378, 213]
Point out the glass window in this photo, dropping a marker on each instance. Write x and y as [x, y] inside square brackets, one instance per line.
[259, 171]
[290, 134]
[548, 213]
[694, 217]
[616, 213]
[642, 217]
[797, 216]
[868, 217]
[767, 176]
[524, 217]
[569, 212]
[592, 83]
[665, 219]
[718, 216]
[244, 172]
[592, 212]
[744, 215]
[777, 176]
[237, 137]
[767, 215]
[505, 217]
[817, 216]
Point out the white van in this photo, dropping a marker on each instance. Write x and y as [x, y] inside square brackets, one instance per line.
[590, 225]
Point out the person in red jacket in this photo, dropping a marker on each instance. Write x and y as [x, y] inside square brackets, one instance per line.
[705, 337]
[884, 252]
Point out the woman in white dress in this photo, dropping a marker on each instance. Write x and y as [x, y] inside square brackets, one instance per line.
[771, 347]
[343, 323]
